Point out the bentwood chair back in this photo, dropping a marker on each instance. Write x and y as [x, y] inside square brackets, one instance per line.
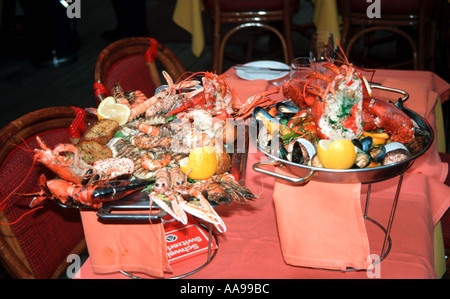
[412, 20]
[38, 244]
[136, 63]
[250, 14]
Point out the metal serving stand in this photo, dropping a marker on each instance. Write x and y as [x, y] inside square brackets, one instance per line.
[116, 212]
[302, 174]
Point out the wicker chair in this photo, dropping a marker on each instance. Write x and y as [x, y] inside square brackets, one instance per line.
[37, 245]
[135, 63]
[250, 14]
[401, 17]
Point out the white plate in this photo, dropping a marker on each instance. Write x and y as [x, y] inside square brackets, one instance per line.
[263, 74]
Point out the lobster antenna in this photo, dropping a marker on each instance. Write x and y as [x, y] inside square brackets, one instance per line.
[23, 215]
[27, 148]
[342, 51]
[2, 203]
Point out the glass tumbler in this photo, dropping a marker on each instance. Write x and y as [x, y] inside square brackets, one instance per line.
[322, 49]
[300, 67]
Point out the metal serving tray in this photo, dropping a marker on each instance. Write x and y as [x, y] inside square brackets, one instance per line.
[128, 209]
[301, 174]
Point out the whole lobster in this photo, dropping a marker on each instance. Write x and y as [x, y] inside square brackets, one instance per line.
[65, 161]
[71, 194]
[215, 95]
[80, 183]
[344, 109]
[219, 99]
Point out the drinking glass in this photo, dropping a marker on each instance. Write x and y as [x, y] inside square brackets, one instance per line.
[300, 67]
[322, 49]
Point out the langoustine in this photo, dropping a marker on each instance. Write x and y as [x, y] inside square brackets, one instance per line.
[171, 198]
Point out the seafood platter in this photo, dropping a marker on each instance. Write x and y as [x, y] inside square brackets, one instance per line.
[179, 151]
[172, 153]
[383, 138]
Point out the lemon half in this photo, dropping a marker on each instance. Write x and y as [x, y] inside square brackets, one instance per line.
[109, 109]
[201, 163]
[337, 154]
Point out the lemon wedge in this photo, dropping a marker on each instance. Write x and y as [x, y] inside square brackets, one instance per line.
[109, 109]
[201, 163]
[366, 83]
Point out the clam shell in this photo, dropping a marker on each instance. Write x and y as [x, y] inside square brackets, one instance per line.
[310, 148]
[395, 152]
[308, 145]
[394, 145]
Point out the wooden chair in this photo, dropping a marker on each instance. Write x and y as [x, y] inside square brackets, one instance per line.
[135, 63]
[384, 64]
[37, 245]
[246, 15]
[407, 18]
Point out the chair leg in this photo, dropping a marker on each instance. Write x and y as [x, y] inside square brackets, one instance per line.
[249, 50]
[421, 46]
[288, 38]
[216, 45]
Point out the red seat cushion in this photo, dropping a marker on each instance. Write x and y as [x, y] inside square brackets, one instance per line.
[131, 73]
[46, 235]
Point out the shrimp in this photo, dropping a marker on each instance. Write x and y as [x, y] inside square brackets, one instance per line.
[162, 181]
[149, 129]
[150, 163]
[144, 141]
[138, 109]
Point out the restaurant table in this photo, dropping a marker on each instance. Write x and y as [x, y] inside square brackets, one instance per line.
[250, 248]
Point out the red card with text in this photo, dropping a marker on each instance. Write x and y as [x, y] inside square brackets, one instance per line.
[186, 240]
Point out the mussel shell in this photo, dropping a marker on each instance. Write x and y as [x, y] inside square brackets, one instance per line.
[366, 143]
[261, 114]
[356, 142]
[362, 160]
[286, 109]
[377, 153]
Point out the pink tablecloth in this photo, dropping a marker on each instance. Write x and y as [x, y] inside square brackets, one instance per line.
[251, 248]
